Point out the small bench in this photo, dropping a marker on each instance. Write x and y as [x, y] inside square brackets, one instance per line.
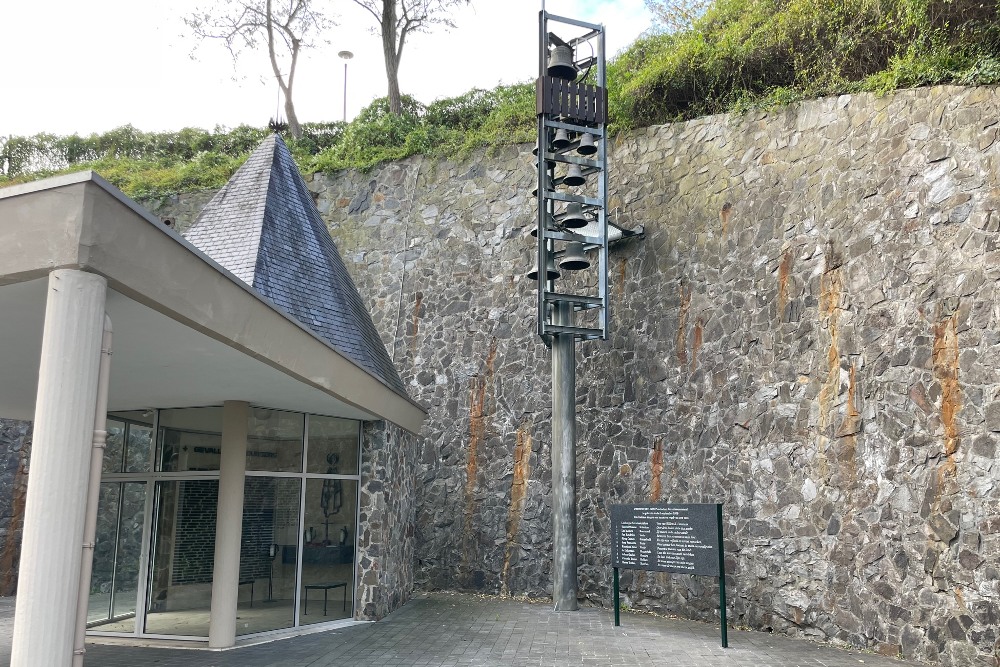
[325, 587]
[243, 582]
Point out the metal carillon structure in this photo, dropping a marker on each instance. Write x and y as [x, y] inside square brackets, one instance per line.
[572, 229]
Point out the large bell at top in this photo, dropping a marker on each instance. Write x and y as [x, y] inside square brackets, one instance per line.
[574, 217]
[561, 64]
[574, 176]
[587, 145]
[574, 258]
[551, 272]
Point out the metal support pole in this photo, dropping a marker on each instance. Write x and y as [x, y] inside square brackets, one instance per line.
[564, 581]
[722, 581]
[345, 91]
[93, 497]
[618, 604]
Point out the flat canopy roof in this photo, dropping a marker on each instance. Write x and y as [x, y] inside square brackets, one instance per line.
[186, 332]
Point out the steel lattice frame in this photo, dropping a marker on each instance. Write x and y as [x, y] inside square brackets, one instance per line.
[577, 108]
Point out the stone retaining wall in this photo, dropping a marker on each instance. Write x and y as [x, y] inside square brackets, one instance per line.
[809, 332]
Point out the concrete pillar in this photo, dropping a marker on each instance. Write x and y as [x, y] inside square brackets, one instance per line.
[49, 578]
[229, 525]
[564, 579]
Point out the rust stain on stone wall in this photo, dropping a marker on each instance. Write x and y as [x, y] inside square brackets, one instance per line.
[478, 416]
[784, 271]
[946, 372]
[724, 215]
[829, 300]
[699, 327]
[682, 325]
[655, 485]
[518, 494]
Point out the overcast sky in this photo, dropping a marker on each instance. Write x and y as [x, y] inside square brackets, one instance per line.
[92, 66]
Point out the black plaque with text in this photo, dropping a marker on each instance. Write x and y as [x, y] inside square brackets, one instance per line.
[666, 537]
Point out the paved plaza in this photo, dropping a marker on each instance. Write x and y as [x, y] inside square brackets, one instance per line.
[451, 630]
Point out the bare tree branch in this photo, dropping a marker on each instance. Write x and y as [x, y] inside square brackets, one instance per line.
[398, 19]
[284, 26]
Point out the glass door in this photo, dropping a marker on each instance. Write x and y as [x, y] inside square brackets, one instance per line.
[117, 557]
[121, 510]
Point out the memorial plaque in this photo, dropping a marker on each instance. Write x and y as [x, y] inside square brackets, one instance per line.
[666, 537]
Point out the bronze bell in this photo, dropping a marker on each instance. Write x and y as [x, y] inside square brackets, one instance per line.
[561, 64]
[574, 176]
[574, 258]
[561, 140]
[587, 145]
[574, 218]
[551, 272]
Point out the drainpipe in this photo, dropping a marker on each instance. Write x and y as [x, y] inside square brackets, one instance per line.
[93, 494]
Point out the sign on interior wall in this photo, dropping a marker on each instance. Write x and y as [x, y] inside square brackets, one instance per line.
[669, 537]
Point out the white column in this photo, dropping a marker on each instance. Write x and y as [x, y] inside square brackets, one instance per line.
[229, 525]
[49, 579]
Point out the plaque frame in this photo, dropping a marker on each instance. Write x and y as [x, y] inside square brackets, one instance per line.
[669, 511]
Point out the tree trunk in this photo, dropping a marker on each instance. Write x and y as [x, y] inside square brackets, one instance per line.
[395, 99]
[391, 57]
[293, 120]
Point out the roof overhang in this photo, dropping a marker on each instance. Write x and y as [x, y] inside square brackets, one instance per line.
[186, 331]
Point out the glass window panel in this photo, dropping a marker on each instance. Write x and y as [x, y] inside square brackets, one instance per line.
[268, 553]
[328, 550]
[137, 445]
[129, 554]
[180, 581]
[189, 439]
[274, 440]
[114, 446]
[333, 445]
[117, 555]
[103, 574]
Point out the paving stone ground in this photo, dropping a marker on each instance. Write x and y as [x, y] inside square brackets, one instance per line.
[451, 630]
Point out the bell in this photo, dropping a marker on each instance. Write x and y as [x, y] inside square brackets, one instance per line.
[561, 63]
[574, 218]
[561, 140]
[574, 176]
[551, 272]
[587, 145]
[574, 258]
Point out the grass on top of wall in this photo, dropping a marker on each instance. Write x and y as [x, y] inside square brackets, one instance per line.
[741, 55]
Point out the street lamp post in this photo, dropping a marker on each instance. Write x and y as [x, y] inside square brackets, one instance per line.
[346, 55]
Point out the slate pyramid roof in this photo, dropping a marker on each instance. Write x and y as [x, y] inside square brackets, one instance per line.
[264, 228]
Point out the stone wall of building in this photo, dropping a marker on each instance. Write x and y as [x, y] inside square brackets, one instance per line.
[15, 447]
[385, 520]
[807, 333]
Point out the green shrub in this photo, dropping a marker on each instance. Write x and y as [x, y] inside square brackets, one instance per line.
[759, 53]
[741, 55]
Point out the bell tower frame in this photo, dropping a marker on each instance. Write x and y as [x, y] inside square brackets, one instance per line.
[572, 117]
